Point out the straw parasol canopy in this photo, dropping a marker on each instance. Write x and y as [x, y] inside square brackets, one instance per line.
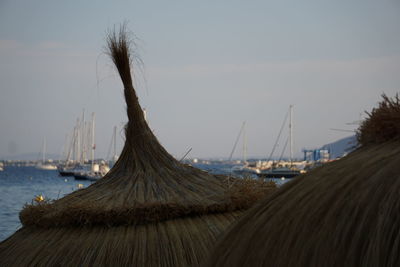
[345, 213]
[149, 210]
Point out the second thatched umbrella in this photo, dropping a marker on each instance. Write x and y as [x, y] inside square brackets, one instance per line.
[345, 213]
[149, 210]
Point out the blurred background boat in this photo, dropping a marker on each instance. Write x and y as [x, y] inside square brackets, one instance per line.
[43, 164]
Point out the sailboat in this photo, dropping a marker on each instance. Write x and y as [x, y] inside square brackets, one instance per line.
[247, 169]
[76, 161]
[96, 171]
[43, 165]
[283, 172]
[113, 146]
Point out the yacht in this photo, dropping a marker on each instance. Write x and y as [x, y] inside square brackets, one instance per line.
[97, 172]
[279, 173]
[45, 165]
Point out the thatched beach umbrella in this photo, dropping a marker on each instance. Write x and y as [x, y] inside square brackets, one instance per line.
[149, 210]
[345, 213]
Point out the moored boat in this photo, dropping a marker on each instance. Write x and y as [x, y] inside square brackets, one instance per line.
[71, 170]
[43, 164]
[91, 176]
[46, 166]
[279, 173]
[246, 170]
[95, 173]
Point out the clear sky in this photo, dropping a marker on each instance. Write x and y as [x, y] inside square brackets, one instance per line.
[208, 66]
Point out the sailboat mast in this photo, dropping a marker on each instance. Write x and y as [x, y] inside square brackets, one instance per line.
[78, 141]
[237, 140]
[82, 132]
[64, 149]
[291, 133]
[93, 143]
[115, 143]
[44, 150]
[244, 143]
[71, 146]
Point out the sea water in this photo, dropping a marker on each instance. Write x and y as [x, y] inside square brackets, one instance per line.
[20, 185]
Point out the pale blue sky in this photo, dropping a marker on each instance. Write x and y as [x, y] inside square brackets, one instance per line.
[209, 65]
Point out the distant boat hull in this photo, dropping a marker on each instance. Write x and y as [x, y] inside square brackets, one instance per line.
[243, 170]
[88, 176]
[46, 167]
[72, 170]
[78, 176]
[278, 174]
[65, 173]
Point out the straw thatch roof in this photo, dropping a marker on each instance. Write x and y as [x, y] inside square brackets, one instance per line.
[149, 210]
[345, 213]
[383, 122]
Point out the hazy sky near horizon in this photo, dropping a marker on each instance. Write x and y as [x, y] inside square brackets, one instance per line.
[208, 66]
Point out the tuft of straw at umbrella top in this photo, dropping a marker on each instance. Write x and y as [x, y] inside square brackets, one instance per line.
[149, 210]
[382, 124]
[345, 213]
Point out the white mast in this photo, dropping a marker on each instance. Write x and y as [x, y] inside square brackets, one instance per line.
[44, 150]
[291, 134]
[71, 147]
[82, 134]
[93, 142]
[115, 143]
[73, 152]
[78, 142]
[88, 138]
[65, 148]
[244, 143]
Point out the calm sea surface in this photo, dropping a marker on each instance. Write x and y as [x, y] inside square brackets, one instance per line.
[19, 185]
